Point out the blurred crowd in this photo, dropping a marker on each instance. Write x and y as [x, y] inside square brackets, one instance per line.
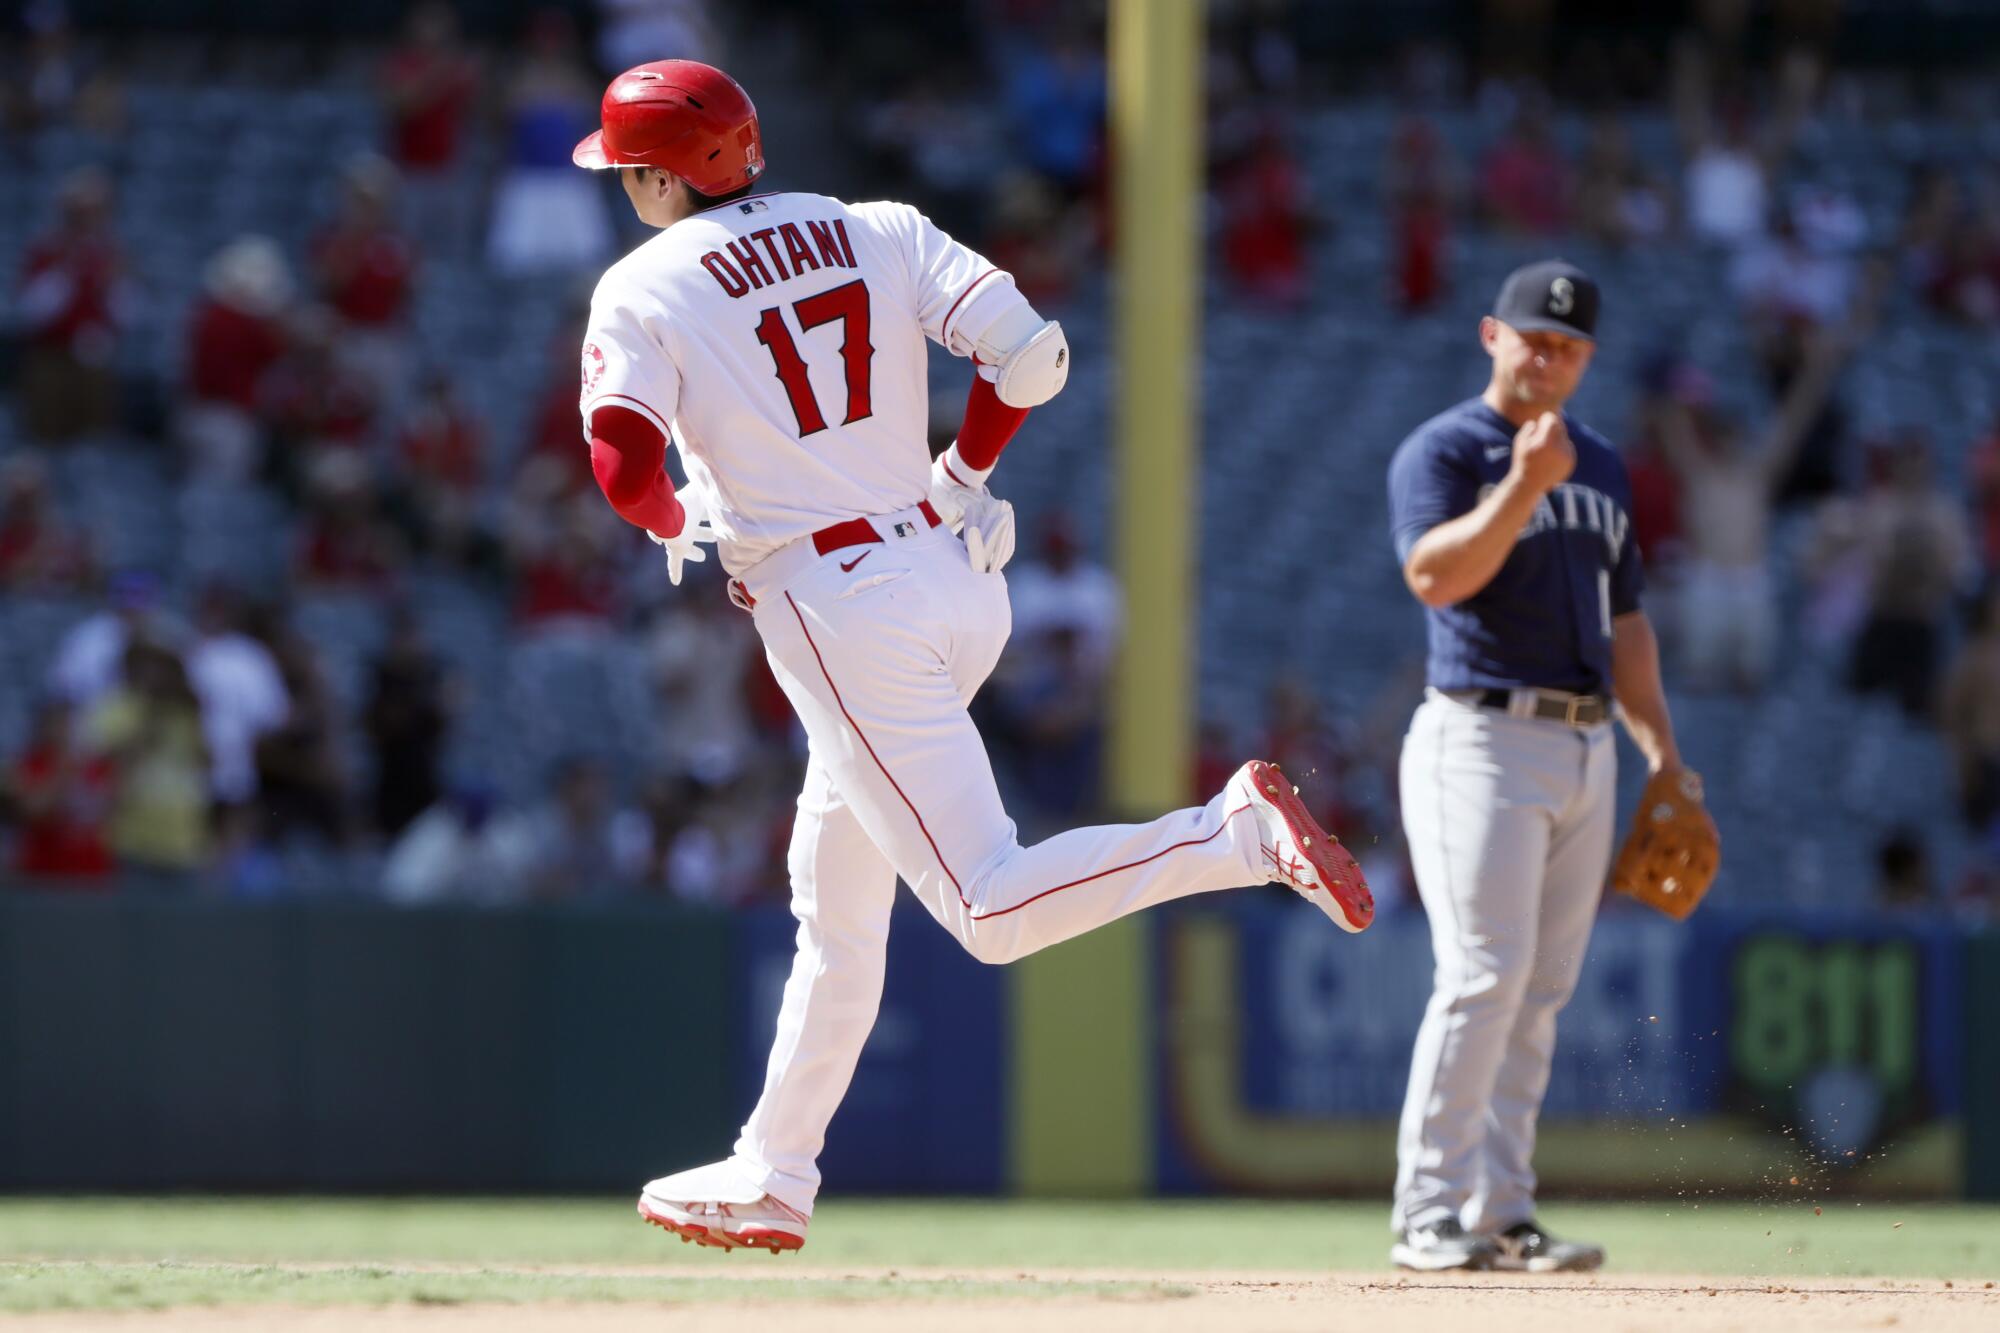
[187, 736]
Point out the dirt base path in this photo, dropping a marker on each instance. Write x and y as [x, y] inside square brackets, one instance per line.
[1174, 1303]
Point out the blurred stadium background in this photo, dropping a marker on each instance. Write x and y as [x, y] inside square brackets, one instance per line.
[376, 819]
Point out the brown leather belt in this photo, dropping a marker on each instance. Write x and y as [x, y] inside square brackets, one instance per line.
[1576, 710]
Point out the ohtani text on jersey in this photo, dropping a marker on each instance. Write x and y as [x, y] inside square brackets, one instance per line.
[747, 264]
[1571, 506]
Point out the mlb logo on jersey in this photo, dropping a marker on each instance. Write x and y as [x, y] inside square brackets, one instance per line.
[906, 529]
[749, 206]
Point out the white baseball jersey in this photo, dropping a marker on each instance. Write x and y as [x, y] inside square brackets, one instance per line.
[779, 340]
[781, 337]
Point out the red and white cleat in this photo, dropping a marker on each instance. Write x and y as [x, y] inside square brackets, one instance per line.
[714, 1206]
[1298, 852]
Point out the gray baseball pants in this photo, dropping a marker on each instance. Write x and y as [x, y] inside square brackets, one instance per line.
[1509, 821]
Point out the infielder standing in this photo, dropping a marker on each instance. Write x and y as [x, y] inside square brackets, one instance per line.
[1513, 525]
[778, 341]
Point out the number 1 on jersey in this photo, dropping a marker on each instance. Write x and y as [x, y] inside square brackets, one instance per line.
[847, 303]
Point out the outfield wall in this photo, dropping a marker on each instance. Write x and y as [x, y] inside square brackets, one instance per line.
[1229, 1044]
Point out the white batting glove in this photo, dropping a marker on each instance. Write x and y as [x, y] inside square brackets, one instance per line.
[989, 533]
[948, 496]
[684, 548]
[985, 520]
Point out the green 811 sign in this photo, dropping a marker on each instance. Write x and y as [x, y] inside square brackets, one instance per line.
[1802, 1005]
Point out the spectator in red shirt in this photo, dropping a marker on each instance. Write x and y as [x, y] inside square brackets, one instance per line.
[1966, 284]
[62, 795]
[39, 551]
[72, 305]
[566, 576]
[557, 459]
[235, 336]
[345, 541]
[1656, 504]
[442, 452]
[442, 443]
[361, 259]
[1214, 752]
[429, 85]
[314, 397]
[364, 267]
[1667, 385]
[1266, 217]
[1422, 183]
[1525, 183]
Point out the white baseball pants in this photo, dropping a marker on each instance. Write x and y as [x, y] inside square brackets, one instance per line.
[880, 648]
[1509, 821]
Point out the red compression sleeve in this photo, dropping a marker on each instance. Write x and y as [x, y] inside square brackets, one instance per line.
[989, 424]
[627, 453]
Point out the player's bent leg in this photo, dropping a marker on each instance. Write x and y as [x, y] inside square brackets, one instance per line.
[872, 681]
[925, 791]
[1022, 899]
[1014, 908]
[842, 893]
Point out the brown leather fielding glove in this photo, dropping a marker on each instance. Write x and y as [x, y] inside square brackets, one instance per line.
[1670, 857]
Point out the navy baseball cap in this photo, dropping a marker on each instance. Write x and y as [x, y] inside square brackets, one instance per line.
[1552, 296]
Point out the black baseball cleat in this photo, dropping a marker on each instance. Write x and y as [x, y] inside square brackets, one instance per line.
[1526, 1248]
[1440, 1247]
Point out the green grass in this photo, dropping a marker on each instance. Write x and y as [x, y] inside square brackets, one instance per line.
[98, 1286]
[103, 1252]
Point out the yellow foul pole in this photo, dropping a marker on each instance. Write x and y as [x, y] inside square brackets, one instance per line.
[1156, 145]
[1082, 1097]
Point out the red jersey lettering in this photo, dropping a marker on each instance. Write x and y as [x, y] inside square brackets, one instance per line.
[796, 248]
[745, 255]
[725, 273]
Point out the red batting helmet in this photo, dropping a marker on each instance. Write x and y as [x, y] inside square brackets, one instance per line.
[681, 116]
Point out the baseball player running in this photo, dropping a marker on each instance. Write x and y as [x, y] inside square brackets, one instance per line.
[1512, 522]
[778, 341]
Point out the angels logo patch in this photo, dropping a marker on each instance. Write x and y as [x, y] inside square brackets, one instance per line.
[593, 370]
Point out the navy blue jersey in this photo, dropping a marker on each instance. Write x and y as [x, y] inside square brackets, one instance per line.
[1545, 619]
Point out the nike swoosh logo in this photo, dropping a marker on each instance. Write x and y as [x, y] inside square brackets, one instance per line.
[847, 566]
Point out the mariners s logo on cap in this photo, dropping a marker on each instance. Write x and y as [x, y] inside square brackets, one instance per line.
[1551, 296]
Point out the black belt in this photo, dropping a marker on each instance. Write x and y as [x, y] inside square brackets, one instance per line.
[1577, 710]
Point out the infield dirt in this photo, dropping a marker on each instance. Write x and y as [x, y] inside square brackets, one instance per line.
[1275, 1301]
